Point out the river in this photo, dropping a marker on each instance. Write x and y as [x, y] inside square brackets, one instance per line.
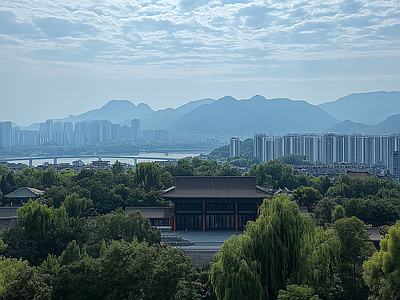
[142, 157]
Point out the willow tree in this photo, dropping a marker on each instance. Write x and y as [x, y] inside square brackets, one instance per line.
[236, 275]
[320, 263]
[382, 270]
[148, 174]
[35, 217]
[75, 206]
[259, 263]
[281, 247]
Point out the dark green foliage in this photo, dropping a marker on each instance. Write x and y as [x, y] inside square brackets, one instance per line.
[182, 168]
[243, 162]
[42, 231]
[280, 247]
[296, 292]
[20, 281]
[3, 246]
[348, 187]
[124, 271]
[259, 263]
[167, 180]
[354, 251]
[382, 270]
[219, 153]
[353, 238]
[148, 174]
[116, 226]
[247, 148]
[338, 213]
[274, 175]
[49, 178]
[117, 168]
[306, 196]
[294, 159]
[55, 195]
[81, 279]
[4, 186]
[320, 263]
[321, 183]
[323, 210]
[373, 211]
[206, 168]
[71, 254]
[35, 218]
[75, 206]
[227, 170]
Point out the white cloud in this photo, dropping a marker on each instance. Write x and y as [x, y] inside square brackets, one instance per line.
[198, 39]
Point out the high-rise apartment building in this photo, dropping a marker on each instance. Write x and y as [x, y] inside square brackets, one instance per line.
[329, 148]
[5, 135]
[394, 165]
[135, 124]
[259, 146]
[234, 147]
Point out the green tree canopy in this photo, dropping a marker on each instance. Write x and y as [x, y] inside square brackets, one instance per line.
[296, 292]
[275, 175]
[382, 270]
[294, 159]
[338, 213]
[116, 226]
[259, 263]
[75, 206]
[117, 168]
[306, 196]
[35, 217]
[355, 248]
[148, 174]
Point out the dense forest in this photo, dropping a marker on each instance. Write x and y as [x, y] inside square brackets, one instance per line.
[53, 252]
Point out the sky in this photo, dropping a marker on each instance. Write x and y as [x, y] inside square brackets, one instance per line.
[67, 57]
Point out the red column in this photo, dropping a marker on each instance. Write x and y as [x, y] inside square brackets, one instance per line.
[174, 215]
[236, 217]
[204, 216]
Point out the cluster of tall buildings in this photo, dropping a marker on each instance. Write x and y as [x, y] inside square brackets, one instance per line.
[329, 148]
[86, 132]
[234, 147]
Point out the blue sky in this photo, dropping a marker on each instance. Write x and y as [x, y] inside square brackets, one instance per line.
[66, 57]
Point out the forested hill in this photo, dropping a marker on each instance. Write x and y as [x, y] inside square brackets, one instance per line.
[244, 117]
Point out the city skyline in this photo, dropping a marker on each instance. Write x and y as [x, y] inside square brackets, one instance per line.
[63, 57]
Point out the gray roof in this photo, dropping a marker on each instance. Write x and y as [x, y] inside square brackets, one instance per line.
[285, 191]
[25, 192]
[374, 234]
[7, 223]
[8, 211]
[303, 209]
[152, 212]
[215, 187]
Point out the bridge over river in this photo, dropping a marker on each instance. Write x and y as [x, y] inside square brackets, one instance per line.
[55, 159]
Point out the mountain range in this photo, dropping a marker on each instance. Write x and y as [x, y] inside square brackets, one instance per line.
[368, 108]
[367, 113]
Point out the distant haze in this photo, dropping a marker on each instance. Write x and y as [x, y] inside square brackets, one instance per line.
[228, 116]
[68, 57]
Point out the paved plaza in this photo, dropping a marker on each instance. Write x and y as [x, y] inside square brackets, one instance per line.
[200, 246]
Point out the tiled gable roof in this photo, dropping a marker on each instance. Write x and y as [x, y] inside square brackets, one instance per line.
[215, 187]
[25, 192]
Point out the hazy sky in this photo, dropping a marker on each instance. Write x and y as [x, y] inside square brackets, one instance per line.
[66, 57]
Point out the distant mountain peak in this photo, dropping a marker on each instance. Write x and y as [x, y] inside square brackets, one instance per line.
[114, 111]
[227, 99]
[368, 108]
